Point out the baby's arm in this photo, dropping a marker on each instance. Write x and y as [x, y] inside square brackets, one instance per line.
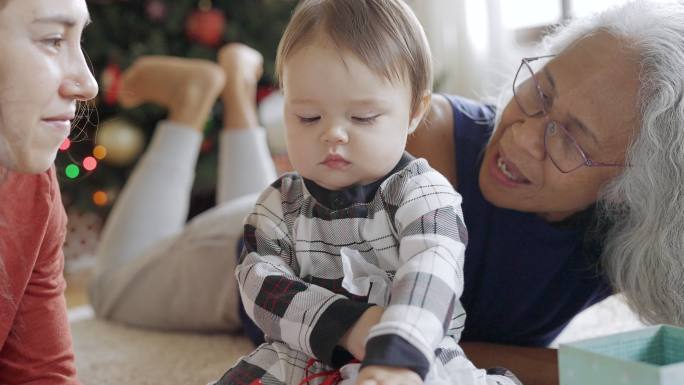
[306, 317]
[428, 284]
[354, 340]
[387, 375]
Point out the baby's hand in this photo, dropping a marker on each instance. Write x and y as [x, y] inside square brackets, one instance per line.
[387, 375]
[354, 340]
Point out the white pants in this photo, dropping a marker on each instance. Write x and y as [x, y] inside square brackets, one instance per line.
[154, 270]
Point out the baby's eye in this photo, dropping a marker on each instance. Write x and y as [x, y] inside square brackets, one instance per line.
[365, 119]
[308, 119]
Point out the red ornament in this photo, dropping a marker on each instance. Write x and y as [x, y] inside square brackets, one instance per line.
[206, 25]
[207, 145]
[111, 83]
[264, 91]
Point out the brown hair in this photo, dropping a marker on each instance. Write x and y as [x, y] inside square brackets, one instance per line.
[384, 34]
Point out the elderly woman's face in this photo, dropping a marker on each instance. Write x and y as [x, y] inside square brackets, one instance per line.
[42, 75]
[592, 88]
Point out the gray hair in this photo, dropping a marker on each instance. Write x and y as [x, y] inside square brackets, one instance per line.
[643, 256]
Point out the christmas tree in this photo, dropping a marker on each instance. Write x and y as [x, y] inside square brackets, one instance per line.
[92, 172]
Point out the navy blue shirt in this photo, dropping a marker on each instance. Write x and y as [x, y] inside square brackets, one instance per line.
[524, 277]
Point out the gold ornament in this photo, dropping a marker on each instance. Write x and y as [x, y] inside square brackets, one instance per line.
[122, 140]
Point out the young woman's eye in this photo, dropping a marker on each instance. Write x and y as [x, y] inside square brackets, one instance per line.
[365, 119]
[308, 119]
[54, 42]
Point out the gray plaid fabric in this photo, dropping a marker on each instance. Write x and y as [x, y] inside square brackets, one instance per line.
[309, 271]
[276, 363]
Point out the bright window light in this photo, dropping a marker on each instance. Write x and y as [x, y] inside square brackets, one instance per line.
[530, 13]
[579, 8]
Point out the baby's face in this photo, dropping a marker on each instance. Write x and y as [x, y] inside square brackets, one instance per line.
[345, 124]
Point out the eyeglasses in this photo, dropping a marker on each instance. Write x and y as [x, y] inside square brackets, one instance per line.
[563, 150]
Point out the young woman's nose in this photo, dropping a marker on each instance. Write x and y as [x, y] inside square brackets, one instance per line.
[79, 83]
[335, 134]
[528, 134]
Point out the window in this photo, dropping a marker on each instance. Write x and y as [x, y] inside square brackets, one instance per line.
[580, 8]
[535, 13]
[531, 18]
[520, 14]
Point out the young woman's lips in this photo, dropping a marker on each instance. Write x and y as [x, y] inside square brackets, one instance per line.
[61, 123]
[505, 172]
[335, 162]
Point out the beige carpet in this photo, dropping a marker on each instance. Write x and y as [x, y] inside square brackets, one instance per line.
[111, 354]
[610, 316]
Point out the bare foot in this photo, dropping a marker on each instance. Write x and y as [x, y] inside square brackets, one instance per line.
[187, 87]
[243, 67]
[242, 62]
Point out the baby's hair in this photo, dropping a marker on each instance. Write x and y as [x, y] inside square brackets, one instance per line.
[384, 34]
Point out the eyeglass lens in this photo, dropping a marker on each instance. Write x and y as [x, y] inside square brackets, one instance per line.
[560, 146]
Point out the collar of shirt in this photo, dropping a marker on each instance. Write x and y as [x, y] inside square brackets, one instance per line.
[339, 199]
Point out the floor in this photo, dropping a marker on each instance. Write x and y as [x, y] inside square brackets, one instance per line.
[108, 353]
[609, 316]
[76, 291]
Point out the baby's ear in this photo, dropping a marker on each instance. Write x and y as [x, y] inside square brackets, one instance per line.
[420, 111]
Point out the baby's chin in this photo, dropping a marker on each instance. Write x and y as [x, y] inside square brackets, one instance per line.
[333, 186]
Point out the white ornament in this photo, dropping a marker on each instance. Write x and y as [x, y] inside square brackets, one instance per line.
[271, 116]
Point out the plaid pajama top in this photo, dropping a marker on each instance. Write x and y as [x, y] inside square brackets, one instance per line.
[315, 260]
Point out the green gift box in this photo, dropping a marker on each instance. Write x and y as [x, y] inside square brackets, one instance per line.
[649, 356]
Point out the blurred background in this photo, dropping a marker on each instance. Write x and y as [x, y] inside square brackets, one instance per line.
[477, 45]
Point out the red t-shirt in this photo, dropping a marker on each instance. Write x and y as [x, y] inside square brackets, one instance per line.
[35, 340]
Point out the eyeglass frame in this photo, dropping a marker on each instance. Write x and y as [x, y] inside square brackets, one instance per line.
[544, 112]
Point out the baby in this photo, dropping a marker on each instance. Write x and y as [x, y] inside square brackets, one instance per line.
[357, 258]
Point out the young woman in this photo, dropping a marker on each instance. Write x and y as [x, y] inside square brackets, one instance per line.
[43, 75]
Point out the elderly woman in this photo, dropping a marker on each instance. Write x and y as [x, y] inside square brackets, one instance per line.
[43, 75]
[572, 190]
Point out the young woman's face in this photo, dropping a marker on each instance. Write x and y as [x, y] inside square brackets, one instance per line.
[43, 74]
[591, 88]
